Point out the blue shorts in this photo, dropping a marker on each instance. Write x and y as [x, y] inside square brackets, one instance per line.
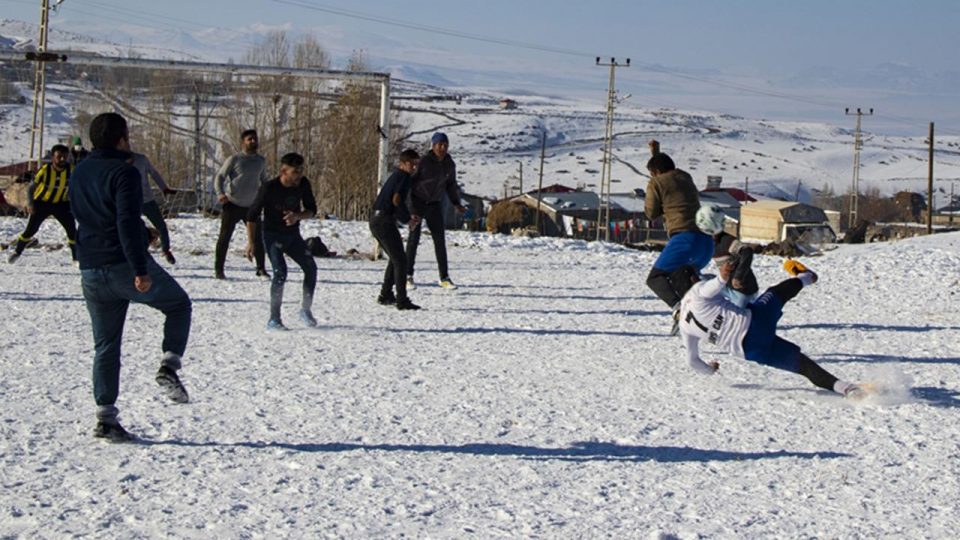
[762, 344]
[686, 248]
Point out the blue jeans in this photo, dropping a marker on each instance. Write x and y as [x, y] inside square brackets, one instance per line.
[292, 244]
[108, 291]
[687, 248]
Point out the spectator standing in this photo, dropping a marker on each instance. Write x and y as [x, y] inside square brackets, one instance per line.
[435, 177]
[236, 185]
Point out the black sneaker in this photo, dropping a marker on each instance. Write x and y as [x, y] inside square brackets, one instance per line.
[13, 257]
[219, 275]
[262, 273]
[405, 303]
[386, 299]
[171, 385]
[675, 329]
[112, 432]
[168, 255]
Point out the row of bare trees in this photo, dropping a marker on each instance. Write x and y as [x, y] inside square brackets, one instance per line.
[333, 124]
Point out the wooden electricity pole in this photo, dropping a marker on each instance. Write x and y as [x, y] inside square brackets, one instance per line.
[930, 185]
[40, 87]
[857, 145]
[603, 218]
[543, 155]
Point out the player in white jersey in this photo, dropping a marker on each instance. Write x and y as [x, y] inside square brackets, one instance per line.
[750, 332]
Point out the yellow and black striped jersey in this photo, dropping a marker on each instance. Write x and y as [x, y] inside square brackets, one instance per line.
[51, 186]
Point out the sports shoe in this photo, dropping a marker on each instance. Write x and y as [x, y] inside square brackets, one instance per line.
[168, 255]
[219, 275]
[386, 299]
[675, 329]
[405, 304]
[275, 324]
[854, 392]
[262, 273]
[447, 284]
[112, 432]
[410, 284]
[171, 385]
[307, 317]
[795, 268]
[13, 257]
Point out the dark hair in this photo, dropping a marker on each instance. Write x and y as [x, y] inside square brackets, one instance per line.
[62, 148]
[107, 129]
[244, 133]
[409, 155]
[292, 159]
[661, 163]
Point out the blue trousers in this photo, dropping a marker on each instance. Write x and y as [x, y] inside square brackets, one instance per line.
[687, 248]
[278, 244]
[762, 344]
[108, 291]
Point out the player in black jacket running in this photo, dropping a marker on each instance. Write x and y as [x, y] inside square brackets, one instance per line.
[284, 202]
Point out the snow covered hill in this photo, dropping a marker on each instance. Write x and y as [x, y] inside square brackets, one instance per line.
[541, 399]
[775, 158]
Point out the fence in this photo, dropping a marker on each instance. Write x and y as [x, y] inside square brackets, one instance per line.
[187, 118]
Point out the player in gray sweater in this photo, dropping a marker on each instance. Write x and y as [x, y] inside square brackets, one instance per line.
[236, 186]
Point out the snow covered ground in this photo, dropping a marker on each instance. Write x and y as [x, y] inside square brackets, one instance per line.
[541, 399]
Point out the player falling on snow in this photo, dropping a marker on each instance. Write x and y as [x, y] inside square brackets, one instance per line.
[750, 333]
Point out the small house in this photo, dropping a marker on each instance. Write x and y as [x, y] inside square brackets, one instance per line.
[764, 222]
[507, 103]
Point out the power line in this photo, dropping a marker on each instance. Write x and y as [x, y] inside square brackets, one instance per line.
[433, 29]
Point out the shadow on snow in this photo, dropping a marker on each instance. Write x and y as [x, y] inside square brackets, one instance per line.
[578, 451]
[868, 327]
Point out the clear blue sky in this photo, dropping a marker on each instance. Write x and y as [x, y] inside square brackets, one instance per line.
[761, 39]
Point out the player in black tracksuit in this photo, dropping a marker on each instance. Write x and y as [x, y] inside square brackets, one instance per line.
[284, 202]
[390, 208]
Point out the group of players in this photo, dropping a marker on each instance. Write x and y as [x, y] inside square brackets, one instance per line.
[106, 192]
[728, 310]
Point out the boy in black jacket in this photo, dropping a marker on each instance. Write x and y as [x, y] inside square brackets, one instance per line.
[388, 209]
[284, 202]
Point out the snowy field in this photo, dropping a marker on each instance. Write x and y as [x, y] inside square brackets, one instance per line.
[542, 399]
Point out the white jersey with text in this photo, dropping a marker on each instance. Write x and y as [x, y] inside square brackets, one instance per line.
[705, 314]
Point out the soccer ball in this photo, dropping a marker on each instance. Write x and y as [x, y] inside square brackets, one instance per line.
[710, 219]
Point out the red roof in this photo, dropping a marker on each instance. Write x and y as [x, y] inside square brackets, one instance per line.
[736, 193]
[16, 169]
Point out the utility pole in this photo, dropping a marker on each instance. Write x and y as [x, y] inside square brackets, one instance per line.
[520, 164]
[197, 171]
[857, 145]
[40, 87]
[952, 203]
[543, 154]
[604, 203]
[930, 185]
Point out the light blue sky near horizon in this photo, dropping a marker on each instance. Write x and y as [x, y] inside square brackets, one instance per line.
[758, 40]
[731, 35]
